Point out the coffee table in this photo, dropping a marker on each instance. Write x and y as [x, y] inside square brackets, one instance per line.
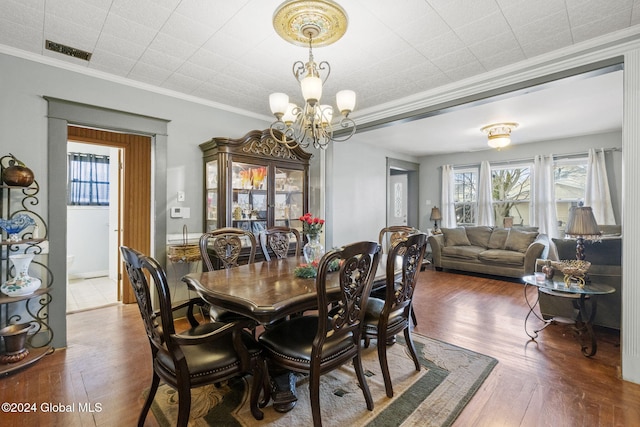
[584, 299]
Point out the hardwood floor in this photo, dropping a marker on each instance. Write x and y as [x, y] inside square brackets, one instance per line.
[548, 383]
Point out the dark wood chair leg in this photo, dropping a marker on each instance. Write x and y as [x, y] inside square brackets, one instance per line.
[384, 364]
[184, 406]
[413, 318]
[412, 348]
[155, 381]
[357, 364]
[314, 395]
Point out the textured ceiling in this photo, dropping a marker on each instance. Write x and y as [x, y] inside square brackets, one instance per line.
[227, 52]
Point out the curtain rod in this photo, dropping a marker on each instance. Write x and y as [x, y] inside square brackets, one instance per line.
[555, 157]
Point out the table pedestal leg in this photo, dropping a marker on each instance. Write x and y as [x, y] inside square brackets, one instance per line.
[283, 390]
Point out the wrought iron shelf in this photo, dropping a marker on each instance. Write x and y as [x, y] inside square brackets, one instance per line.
[35, 354]
[7, 300]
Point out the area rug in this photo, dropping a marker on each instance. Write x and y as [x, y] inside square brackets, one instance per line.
[435, 396]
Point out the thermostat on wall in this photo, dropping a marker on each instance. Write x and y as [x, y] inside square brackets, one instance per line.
[180, 212]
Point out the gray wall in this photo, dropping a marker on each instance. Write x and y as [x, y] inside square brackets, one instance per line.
[356, 191]
[431, 171]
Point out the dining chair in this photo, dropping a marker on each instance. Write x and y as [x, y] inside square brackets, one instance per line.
[387, 237]
[204, 354]
[226, 244]
[277, 240]
[316, 344]
[384, 318]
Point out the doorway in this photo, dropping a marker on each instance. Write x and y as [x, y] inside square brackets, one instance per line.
[402, 193]
[130, 222]
[93, 226]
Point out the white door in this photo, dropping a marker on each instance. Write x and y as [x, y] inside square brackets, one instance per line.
[397, 200]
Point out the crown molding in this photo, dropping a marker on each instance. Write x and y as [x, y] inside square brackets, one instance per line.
[45, 60]
[600, 52]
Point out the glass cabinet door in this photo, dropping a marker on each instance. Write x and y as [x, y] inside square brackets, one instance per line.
[249, 187]
[212, 195]
[289, 197]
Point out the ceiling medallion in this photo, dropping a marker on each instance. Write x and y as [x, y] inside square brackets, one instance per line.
[296, 20]
[499, 134]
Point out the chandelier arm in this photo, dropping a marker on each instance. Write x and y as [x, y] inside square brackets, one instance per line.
[298, 70]
[345, 123]
[287, 136]
[322, 66]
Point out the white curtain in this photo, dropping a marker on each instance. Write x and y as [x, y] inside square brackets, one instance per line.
[448, 210]
[597, 188]
[543, 197]
[485, 197]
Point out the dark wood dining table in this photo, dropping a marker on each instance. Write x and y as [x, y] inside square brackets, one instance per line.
[266, 292]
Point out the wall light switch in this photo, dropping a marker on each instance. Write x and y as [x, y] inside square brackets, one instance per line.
[428, 202]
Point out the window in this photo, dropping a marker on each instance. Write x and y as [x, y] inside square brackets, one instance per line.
[465, 196]
[570, 178]
[88, 180]
[511, 194]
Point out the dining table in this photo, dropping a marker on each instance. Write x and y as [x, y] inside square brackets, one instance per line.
[267, 292]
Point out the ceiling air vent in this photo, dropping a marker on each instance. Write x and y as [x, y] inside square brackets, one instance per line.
[66, 50]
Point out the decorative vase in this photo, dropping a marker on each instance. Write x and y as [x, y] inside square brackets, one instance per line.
[313, 250]
[15, 339]
[22, 284]
[17, 173]
[14, 226]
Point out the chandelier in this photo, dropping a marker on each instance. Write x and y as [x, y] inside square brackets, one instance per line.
[499, 134]
[304, 22]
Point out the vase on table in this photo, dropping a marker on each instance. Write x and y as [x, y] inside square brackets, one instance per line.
[21, 284]
[313, 249]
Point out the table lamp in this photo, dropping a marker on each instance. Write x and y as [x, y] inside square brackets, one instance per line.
[582, 225]
[435, 217]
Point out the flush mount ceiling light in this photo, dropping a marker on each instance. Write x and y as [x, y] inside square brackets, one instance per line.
[309, 22]
[499, 134]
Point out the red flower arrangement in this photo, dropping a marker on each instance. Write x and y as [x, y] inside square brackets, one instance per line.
[311, 226]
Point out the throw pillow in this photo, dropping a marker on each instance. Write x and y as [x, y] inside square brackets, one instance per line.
[519, 240]
[479, 235]
[498, 238]
[455, 237]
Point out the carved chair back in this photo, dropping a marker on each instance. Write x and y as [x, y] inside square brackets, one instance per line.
[226, 244]
[277, 240]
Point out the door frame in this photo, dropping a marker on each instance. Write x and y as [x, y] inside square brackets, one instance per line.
[62, 113]
[413, 191]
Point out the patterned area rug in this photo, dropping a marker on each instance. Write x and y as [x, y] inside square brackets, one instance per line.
[435, 396]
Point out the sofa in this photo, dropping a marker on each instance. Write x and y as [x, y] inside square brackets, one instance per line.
[605, 257]
[509, 252]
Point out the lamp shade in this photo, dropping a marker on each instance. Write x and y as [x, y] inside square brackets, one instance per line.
[499, 141]
[278, 102]
[435, 214]
[582, 223]
[346, 101]
[311, 89]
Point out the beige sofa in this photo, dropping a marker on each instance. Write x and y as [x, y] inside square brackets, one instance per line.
[510, 252]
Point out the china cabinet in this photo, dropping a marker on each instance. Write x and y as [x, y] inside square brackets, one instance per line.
[254, 183]
[32, 308]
